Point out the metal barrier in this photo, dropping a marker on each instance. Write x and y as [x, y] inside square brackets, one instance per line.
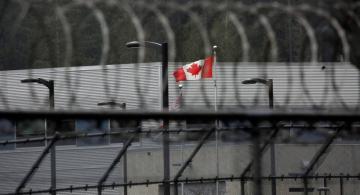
[254, 125]
[329, 41]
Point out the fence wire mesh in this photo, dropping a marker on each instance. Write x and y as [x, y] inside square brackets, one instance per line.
[82, 111]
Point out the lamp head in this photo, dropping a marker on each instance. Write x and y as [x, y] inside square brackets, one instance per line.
[133, 44]
[248, 81]
[29, 80]
[137, 44]
[254, 81]
[112, 104]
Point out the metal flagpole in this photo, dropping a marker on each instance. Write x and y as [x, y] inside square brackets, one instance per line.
[177, 106]
[214, 75]
[179, 101]
[216, 122]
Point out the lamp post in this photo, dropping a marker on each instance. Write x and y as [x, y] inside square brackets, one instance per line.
[50, 85]
[112, 105]
[165, 103]
[269, 84]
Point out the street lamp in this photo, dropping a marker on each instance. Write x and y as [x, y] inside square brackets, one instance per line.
[165, 103]
[50, 85]
[164, 63]
[269, 84]
[114, 104]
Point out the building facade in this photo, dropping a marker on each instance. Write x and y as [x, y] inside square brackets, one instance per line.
[82, 161]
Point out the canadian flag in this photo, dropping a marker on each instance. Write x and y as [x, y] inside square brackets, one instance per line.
[195, 70]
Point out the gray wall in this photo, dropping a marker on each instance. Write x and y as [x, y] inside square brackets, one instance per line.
[84, 87]
[296, 85]
[325, 85]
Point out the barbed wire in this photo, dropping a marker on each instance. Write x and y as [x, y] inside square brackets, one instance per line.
[232, 178]
[323, 40]
[235, 13]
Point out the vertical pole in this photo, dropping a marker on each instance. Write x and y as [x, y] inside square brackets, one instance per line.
[165, 105]
[216, 122]
[125, 173]
[53, 148]
[182, 188]
[325, 185]
[273, 172]
[51, 94]
[214, 76]
[242, 187]
[176, 191]
[99, 189]
[271, 93]
[272, 145]
[125, 162]
[341, 186]
[53, 169]
[305, 185]
[257, 161]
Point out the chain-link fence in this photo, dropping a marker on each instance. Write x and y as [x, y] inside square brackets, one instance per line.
[86, 108]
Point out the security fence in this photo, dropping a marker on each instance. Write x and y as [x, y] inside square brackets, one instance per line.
[204, 161]
[124, 126]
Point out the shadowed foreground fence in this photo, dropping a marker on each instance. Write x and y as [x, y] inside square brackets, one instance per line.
[261, 128]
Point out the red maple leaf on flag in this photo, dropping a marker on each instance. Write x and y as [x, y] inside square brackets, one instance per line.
[194, 69]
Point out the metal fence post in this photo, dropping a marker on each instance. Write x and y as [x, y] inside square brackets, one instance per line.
[176, 191]
[125, 173]
[99, 189]
[273, 168]
[305, 185]
[242, 187]
[256, 136]
[341, 186]
[53, 169]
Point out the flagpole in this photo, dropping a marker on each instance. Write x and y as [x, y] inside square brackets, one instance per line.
[214, 77]
[216, 122]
